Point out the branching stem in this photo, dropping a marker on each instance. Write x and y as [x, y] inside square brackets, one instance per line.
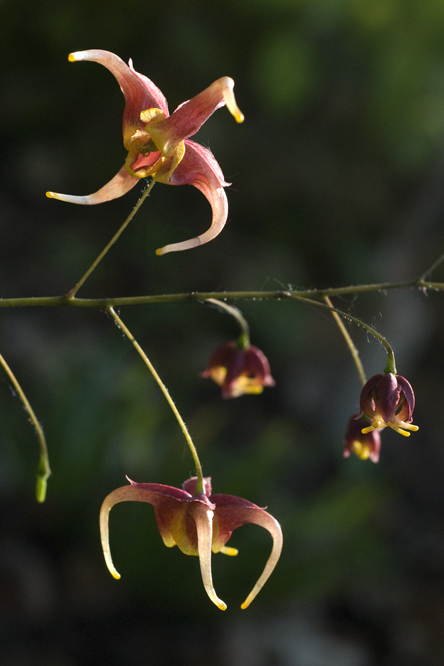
[105, 303]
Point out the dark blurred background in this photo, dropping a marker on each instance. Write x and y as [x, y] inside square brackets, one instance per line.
[338, 179]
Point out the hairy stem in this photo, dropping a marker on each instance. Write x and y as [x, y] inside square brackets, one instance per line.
[43, 468]
[391, 366]
[97, 261]
[350, 344]
[129, 335]
[238, 316]
[105, 303]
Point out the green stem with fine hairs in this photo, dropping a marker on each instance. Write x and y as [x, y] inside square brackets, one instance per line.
[43, 468]
[244, 338]
[349, 342]
[131, 338]
[279, 295]
[97, 261]
[391, 365]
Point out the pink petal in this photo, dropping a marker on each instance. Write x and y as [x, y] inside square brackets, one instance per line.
[203, 517]
[167, 491]
[190, 116]
[140, 93]
[199, 168]
[406, 414]
[256, 363]
[386, 396]
[117, 187]
[239, 513]
[166, 506]
[366, 397]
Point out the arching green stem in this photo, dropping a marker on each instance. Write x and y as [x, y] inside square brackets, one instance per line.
[97, 261]
[43, 468]
[129, 335]
[244, 338]
[391, 365]
[350, 344]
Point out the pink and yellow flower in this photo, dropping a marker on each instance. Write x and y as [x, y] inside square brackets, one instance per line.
[388, 400]
[365, 446]
[239, 370]
[158, 144]
[196, 522]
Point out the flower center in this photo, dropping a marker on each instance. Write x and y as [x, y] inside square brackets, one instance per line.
[145, 158]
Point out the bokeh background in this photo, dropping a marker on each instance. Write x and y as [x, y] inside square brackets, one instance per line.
[338, 179]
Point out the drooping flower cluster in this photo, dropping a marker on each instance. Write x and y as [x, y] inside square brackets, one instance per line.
[239, 369]
[158, 144]
[196, 522]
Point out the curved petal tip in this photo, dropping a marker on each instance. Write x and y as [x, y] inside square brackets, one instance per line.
[230, 101]
[77, 55]
[68, 197]
[178, 247]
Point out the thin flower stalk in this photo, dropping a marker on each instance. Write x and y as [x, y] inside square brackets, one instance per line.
[43, 468]
[391, 366]
[236, 314]
[97, 261]
[349, 342]
[131, 338]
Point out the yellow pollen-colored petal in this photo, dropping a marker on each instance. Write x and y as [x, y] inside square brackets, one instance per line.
[361, 450]
[232, 107]
[164, 175]
[150, 115]
[399, 430]
[218, 374]
[376, 425]
[226, 550]
[401, 427]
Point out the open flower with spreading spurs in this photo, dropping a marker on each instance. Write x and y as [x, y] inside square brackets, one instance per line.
[158, 144]
[196, 522]
[388, 400]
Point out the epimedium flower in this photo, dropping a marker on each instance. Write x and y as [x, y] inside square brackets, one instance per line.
[365, 446]
[388, 400]
[158, 144]
[239, 368]
[196, 522]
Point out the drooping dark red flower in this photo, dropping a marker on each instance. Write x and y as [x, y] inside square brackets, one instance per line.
[388, 400]
[239, 370]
